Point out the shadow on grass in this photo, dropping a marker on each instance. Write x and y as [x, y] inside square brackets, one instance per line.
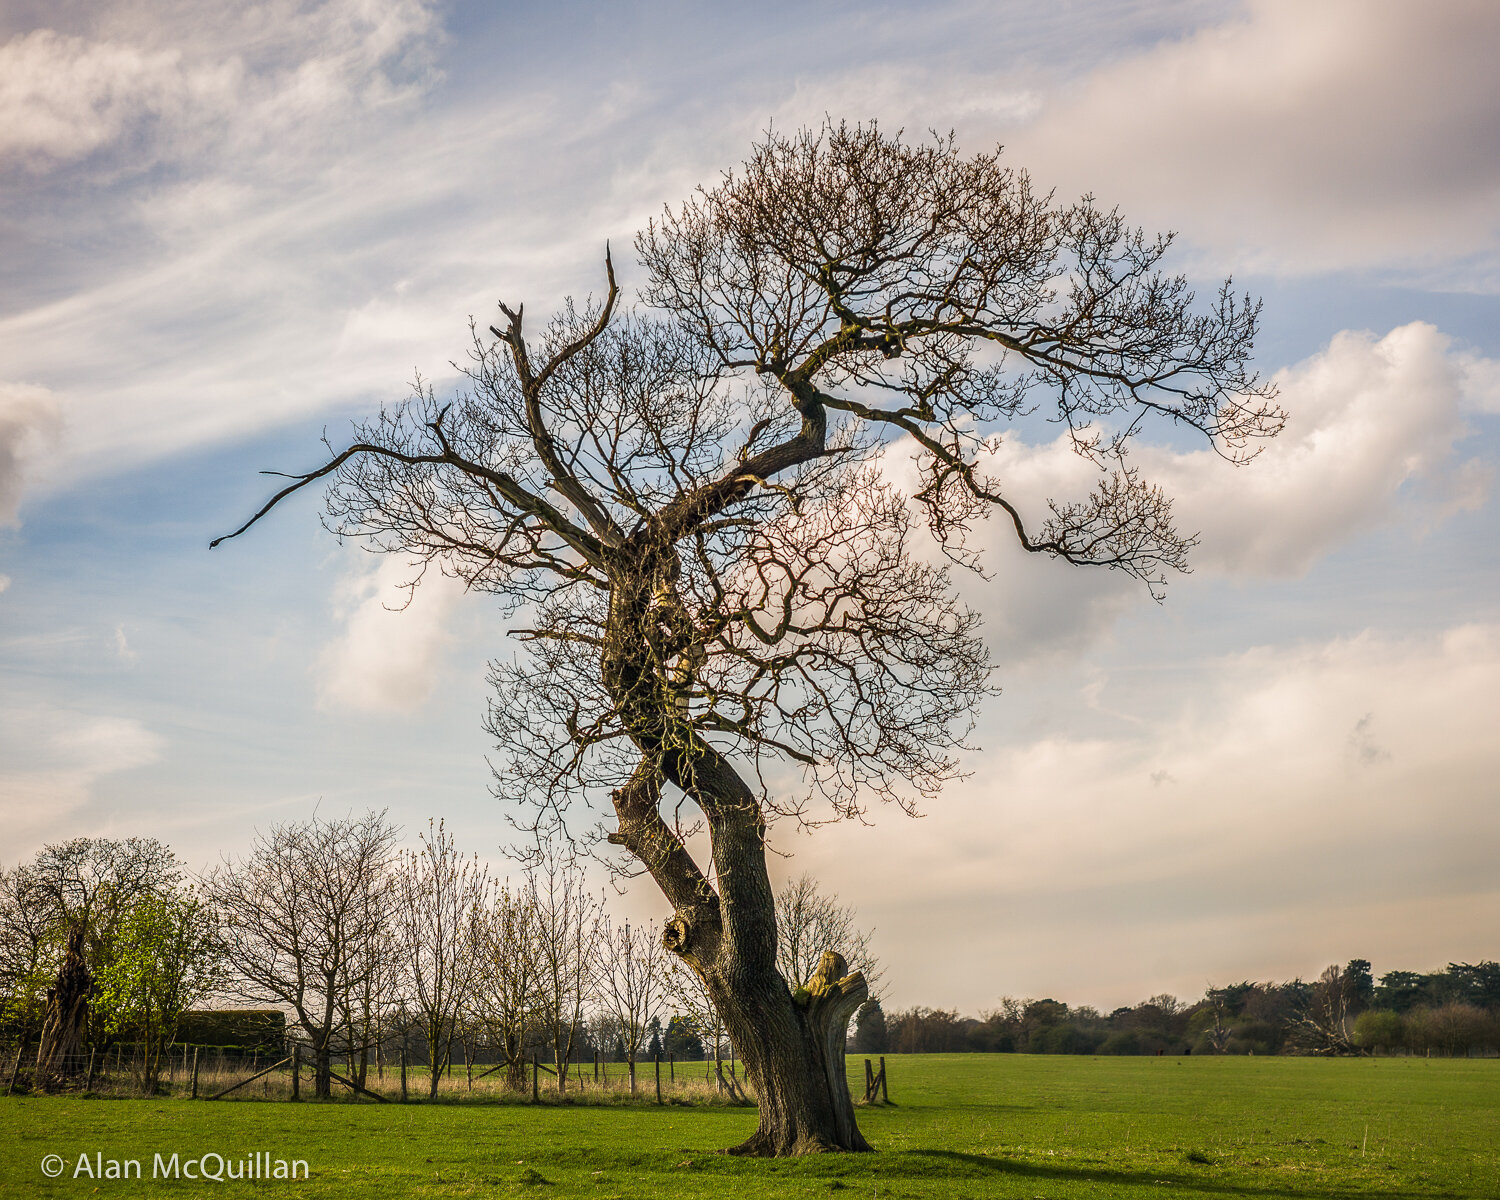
[953, 1163]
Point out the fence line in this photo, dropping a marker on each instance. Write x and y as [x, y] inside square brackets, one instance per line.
[207, 1072]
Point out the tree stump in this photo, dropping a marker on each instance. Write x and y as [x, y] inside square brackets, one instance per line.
[60, 1055]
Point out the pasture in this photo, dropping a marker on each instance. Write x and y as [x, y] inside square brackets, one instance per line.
[1019, 1126]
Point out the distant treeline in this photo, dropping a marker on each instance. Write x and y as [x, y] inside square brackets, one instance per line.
[1451, 1012]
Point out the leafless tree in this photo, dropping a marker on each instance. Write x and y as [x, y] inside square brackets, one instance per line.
[299, 917]
[506, 995]
[1453, 1028]
[375, 986]
[630, 982]
[440, 901]
[603, 1030]
[1324, 1022]
[808, 922]
[567, 948]
[722, 582]
[688, 998]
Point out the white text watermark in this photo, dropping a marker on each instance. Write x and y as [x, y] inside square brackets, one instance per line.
[212, 1167]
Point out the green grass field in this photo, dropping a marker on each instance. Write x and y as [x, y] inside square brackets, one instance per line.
[961, 1125]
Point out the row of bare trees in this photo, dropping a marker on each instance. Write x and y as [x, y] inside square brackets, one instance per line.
[365, 945]
[357, 940]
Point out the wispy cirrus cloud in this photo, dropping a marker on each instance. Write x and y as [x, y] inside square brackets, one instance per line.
[56, 761]
[178, 85]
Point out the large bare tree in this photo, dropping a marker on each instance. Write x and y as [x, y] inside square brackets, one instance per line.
[728, 617]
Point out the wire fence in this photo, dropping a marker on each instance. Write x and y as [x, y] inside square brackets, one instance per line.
[220, 1073]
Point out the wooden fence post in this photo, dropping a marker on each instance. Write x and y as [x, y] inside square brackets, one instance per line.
[88, 1085]
[297, 1071]
[658, 1078]
[596, 1068]
[884, 1088]
[535, 1092]
[195, 1072]
[869, 1080]
[403, 1074]
[672, 1068]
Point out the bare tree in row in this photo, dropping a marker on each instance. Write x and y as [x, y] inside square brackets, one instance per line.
[631, 982]
[302, 915]
[567, 917]
[441, 900]
[506, 997]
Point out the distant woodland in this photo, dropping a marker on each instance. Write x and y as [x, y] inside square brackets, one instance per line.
[1344, 1011]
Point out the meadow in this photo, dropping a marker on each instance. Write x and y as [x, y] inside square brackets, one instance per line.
[1025, 1126]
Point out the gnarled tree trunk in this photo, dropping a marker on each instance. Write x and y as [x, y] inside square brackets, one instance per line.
[793, 1049]
[60, 1054]
[792, 1044]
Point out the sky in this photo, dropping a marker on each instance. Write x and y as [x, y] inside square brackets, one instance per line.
[227, 229]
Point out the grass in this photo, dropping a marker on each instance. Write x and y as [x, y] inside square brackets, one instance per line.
[962, 1125]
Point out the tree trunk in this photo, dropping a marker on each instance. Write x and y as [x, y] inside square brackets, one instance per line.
[61, 1051]
[792, 1047]
[322, 1072]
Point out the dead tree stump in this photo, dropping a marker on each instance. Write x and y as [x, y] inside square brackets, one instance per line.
[60, 1055]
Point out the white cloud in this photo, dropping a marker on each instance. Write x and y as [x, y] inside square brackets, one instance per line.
[391, 652]
[1481, 383]
[1376, 425]
[55, 759]
[180, 86]
[1369, 418]
[1299, 137]
[28, 416]
[1249, 829]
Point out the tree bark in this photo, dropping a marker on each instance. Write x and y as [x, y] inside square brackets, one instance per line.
[792, 1045]
[61, 1051]
[322, 1072]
